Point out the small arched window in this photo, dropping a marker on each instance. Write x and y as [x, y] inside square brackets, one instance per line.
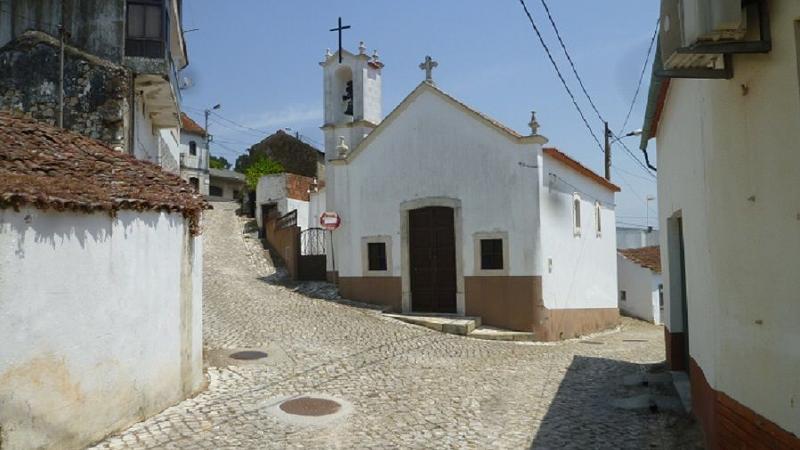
[193, 148]
[576, 214]
[597, 219]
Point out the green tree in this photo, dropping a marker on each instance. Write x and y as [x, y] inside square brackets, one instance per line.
[218, 162]
[259, 168]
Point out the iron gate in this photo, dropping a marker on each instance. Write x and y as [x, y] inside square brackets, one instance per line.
[312, 241]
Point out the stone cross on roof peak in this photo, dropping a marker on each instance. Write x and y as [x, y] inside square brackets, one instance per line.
[428, 67]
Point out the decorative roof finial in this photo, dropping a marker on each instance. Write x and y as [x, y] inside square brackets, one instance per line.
[342, 148]
[328, 53]
[534, 124]
[375, 56]
[362, 48]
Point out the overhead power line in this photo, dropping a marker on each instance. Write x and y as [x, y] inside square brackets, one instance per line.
[641, 77]
[561, 76]
[571, 63]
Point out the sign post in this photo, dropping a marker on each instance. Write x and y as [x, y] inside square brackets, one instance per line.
[330, 221]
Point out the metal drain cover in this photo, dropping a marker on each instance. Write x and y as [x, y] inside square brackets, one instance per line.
[310, 406]
[248, 355]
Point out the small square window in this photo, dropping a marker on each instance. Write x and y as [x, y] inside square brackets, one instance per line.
[376, 255]
[491, 254]
[623, 296]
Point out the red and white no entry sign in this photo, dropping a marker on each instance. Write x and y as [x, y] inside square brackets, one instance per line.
[330, 220]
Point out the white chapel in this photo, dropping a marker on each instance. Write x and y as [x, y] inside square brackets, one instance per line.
[444, 210]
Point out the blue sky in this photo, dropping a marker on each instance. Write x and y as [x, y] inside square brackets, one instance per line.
[259, 59]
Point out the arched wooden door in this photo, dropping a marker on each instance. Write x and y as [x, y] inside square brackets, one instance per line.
[432, 258]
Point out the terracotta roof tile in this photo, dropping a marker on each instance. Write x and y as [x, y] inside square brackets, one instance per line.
[190, 126]
[47, 167]
[647, 257]
[580, 168]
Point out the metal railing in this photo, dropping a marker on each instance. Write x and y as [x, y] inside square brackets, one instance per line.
[312, 241]
[287, 220]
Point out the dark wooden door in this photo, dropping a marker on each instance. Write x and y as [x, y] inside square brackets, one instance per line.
[432, 251]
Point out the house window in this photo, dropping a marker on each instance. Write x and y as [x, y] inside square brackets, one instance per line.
[661, 296]
[576, 214]
[195, 183]
[597, 219]
[376, 256]
[193, 148]
[215, 191]
[145, 28]
[491, 254]
[623, 296]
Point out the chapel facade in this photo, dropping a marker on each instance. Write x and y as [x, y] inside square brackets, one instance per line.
[444, 210]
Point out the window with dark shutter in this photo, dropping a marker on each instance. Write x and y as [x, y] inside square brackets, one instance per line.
[491, 254]
[376, 255]
[145, 28]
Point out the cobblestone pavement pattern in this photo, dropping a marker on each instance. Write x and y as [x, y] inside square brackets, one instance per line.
[409, 387]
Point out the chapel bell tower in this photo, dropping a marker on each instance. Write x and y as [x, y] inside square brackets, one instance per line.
[352, 98]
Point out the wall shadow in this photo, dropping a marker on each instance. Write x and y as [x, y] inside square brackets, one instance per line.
[583, 416]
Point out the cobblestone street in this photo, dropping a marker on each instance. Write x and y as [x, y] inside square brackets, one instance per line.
[409, 387]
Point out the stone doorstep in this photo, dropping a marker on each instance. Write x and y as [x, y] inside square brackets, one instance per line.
[445, 323]
[463, 326]
[499, 334]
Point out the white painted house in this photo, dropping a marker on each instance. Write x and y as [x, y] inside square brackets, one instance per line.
[639, 281]
[100, 288]
[194, 154]
[425, 194]
[724, 109]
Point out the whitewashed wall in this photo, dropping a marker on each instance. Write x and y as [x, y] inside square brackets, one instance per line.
[579, 271]
[434, 149]
[637, 237]
[197, 165]
[316, 206]
[103, 323]
[729, 164]
[641, 288]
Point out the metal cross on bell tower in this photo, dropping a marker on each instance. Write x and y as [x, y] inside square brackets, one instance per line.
[340, 28]
[428, 67]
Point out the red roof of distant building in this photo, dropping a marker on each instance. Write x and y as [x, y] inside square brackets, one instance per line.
[580, 168]
[190, 126]
[647, 257]
[49, 168]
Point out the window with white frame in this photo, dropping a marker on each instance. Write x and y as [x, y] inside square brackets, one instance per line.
[576, 214]
[376, 256]
[598, 226]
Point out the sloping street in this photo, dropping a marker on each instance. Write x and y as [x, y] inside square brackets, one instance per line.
[400, 386]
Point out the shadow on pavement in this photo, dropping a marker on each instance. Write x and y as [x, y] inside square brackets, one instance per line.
[583, 414]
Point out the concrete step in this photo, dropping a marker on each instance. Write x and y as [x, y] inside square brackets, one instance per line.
[446, 323]
[499, 334]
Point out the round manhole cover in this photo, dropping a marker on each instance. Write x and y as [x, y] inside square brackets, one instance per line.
[248, 355]
[310, 406]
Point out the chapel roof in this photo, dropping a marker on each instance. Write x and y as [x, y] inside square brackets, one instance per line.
[190, 126]
[580, 168]
[49, 168]
[647, 257]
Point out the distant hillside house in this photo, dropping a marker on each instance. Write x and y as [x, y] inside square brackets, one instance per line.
[194, 154]
[101, 288]
[293, 154]
[225, 185]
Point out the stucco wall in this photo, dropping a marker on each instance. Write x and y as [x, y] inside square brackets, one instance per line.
[104, 323]
[579, 271]
[637, 237]
[728, 163]
[271, 188]
[228, 188]
[641, 290]
[194, 166]
[433, 150]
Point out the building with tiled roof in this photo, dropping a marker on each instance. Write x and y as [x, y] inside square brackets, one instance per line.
[101, 257]
[194, 155]
[639, 282]
[446, 210]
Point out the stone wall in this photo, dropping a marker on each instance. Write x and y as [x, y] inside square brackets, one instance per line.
[95, 90]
